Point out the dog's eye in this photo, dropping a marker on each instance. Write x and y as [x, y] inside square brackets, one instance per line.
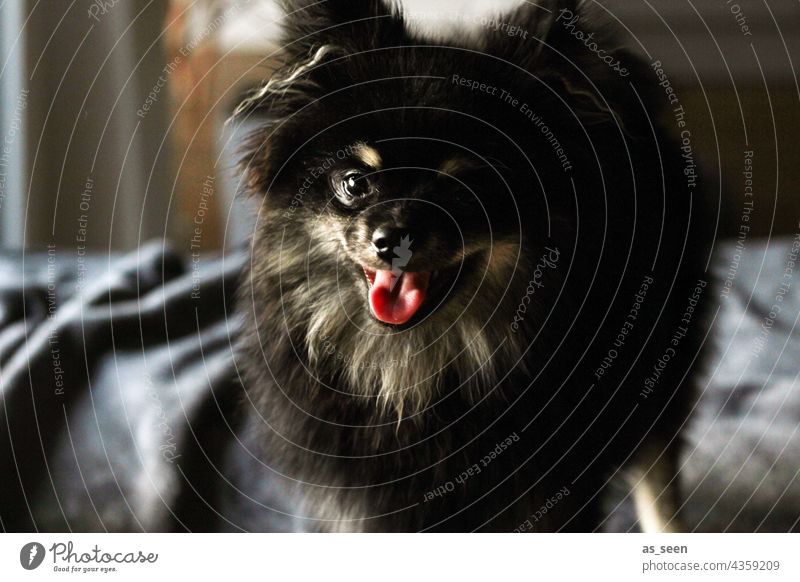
[352, 186]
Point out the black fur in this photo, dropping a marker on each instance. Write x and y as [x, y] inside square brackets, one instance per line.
[619, 212]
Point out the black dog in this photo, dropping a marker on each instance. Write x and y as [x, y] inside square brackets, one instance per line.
[477, 273]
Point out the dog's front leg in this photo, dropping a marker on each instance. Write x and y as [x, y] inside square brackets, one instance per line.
[655, 488]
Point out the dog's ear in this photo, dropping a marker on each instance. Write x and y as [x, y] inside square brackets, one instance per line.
[317, 38]
[314, 34]
[574, 50]
[349, 25]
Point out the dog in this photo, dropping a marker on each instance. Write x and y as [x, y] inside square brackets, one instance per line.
[476, 294]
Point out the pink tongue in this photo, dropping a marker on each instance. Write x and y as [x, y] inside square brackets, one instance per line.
[396, 301]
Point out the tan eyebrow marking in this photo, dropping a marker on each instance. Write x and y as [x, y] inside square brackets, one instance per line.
[368, 155]
[455, 165]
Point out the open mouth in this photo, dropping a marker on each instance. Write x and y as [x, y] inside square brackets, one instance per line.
[396, 296]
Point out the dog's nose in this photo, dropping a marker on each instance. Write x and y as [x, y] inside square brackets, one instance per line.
[391, 242]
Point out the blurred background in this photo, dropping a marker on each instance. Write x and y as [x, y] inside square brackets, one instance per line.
[113, 112]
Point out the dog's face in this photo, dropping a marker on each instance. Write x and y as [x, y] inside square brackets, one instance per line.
[415, 219]
[410, 187]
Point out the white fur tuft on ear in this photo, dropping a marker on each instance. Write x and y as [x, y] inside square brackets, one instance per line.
[283, 82]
